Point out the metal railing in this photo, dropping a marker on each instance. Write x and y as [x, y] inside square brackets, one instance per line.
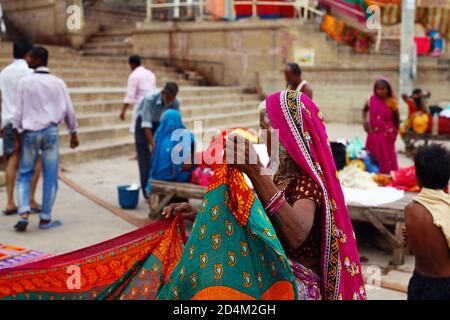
[176, 4]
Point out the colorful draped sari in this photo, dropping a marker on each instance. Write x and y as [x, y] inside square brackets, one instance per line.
[383, 133]
[303, 134]
[233, 253]
[130, 267]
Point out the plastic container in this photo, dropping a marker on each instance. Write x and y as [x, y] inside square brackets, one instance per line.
[128, 197]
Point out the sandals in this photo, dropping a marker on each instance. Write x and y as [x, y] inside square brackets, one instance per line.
[50, 225]
[21, 226]
[10, 212]
[35, 210]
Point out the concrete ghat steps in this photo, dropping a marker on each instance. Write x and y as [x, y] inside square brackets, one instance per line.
[119, 146]
[117, 82]
[117, 93]
[216, 101]
[97, 87]
[76, 64]
[106, 126]
[112, 118]
[105, 120]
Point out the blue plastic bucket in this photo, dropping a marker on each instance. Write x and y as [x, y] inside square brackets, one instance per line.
[128, 199]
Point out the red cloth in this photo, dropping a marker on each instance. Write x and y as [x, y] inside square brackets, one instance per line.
[405, 179]
[246, 10]
[443, 125]
[423, 45]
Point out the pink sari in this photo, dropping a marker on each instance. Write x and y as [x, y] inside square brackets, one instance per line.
[382, 135]
[303, 134]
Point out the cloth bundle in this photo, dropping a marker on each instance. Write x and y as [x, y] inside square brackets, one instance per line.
[353, 176]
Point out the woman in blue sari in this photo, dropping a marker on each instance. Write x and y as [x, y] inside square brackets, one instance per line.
[173, 158]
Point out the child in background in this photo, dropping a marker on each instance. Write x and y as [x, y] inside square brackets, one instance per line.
[417, 101]
[418, 118]
[427, 221]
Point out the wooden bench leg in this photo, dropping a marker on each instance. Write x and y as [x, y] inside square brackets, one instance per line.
[398, 254]
[396, 239]
[159, 205]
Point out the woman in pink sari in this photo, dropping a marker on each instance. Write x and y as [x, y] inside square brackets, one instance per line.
[381, 121]
[328, 250]
[304, 200]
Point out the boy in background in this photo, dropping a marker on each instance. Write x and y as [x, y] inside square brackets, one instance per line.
[427, 221]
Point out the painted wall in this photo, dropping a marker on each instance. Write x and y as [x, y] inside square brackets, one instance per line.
[232, 53]
[43, 20]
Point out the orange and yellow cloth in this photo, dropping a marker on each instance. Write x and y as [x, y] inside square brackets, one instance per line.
[233, 253]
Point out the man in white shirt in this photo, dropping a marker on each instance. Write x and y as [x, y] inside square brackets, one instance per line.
[9, 81]
[140, 82]
[43, 102]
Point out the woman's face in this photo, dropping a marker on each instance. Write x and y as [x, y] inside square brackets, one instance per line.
[381, 90]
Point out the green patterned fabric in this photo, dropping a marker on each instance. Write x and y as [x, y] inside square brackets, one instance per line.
[224, 260]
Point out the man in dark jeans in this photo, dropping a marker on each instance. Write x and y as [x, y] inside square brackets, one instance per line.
[148, 118]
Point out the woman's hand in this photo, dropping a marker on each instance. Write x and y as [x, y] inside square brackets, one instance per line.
[186, 209]
[241, 153]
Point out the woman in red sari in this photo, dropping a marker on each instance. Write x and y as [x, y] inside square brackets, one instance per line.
[381, 121]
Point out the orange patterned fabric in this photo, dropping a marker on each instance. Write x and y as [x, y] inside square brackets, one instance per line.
[104, 270]
[241, 195]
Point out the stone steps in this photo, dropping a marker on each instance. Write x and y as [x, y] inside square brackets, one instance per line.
[97, 88]
[122, 82]
[96, 151]
[196, 113]
[101, 126]
[110, 37]
[117, 93]
[83, 64]
[109, 44]
[113, 52]
[104, 121]
[119, 146]
[95, 129]
[123, 73]
[206, 102]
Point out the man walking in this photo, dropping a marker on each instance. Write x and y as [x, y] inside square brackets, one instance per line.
[148, 118]
[43, 103]
[293, 76]
[9, 81]
[140, 82]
